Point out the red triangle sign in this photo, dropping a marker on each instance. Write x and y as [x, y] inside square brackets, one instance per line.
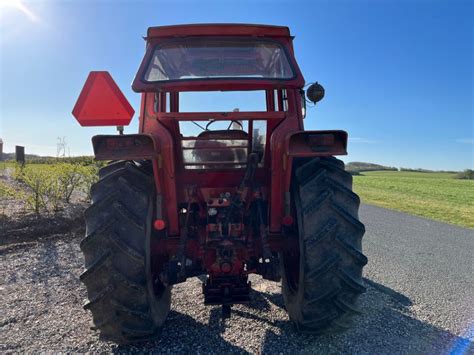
[101, 103]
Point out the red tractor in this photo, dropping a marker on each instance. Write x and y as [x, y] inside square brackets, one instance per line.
[218, 193]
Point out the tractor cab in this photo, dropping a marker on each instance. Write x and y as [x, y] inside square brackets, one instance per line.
[232, 59]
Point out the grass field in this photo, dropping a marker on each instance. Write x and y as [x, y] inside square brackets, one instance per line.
[433, 195]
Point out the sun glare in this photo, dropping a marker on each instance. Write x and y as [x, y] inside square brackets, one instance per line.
[17, 5]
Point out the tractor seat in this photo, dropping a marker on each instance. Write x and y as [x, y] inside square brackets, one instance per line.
[217, 146]
[234, 134]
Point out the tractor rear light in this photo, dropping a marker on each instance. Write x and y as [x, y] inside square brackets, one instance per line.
[126, 147]
[226, 268]
[320, 140]
[159, 224]
[316, 143]
[287, 221]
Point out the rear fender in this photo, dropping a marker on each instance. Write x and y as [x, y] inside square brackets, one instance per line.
[125, 147]
[309, 144]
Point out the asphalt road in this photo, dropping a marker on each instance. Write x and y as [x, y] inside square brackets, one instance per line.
[428, 267]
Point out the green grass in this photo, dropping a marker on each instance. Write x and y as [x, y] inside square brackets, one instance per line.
[433, 195]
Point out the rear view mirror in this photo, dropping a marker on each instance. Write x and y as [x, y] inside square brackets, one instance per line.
[315, 92]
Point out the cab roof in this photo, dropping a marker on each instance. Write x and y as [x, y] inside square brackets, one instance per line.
[218, 29]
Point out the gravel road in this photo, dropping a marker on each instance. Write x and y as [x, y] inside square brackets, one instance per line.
[419, 300]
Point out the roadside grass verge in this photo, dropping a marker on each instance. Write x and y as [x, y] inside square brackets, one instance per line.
[437, 196]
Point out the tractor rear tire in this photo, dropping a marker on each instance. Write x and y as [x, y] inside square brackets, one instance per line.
[127, 302]
[322, 282]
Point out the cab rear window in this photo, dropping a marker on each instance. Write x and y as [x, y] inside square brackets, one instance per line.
[215, 58]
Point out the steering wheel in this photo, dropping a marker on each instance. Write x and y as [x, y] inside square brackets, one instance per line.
[228, 128]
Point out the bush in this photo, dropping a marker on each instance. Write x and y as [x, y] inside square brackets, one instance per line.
[69, 177]
[361, 167]
[6, 191]
[90, 175]
[467, 174]
[18, 172]
[38, 183]
[50, 187]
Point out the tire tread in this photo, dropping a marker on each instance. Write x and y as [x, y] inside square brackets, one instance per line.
[324, 300]
[115, 250]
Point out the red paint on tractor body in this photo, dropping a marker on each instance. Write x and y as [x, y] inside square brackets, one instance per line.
[213, 219]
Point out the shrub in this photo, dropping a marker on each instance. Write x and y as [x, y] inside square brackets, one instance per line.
[7, 191]
[467, 174]
[18, 171]
[49, 187]
[90, 175]
[38, 183]
[68, 178]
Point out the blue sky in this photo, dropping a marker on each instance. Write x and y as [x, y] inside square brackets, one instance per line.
[398, 74]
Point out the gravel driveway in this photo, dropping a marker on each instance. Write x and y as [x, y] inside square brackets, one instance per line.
[42, 310]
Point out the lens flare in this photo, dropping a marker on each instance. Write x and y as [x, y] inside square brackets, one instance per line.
[463, 344]
[17, 5]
